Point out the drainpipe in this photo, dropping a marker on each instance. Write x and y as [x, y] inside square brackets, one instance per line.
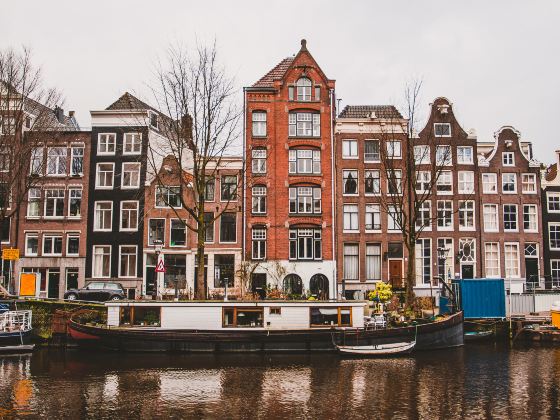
[244, 177]
[333, 195]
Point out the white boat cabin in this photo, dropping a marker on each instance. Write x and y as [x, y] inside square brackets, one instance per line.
[272, 315]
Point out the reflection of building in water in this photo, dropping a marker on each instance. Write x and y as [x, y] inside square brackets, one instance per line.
[202, 385]
[288, 388]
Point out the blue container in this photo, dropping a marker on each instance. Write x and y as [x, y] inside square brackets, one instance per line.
[443, 302]
[481, 298]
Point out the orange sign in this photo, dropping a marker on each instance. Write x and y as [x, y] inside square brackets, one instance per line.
[10, 254]
[27, 284]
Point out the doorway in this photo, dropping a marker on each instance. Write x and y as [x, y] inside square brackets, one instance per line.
[258, 284]
[319, 286]
[532, 270]
[395, 273]
[72, 278]
[53, 287]
[467, 271]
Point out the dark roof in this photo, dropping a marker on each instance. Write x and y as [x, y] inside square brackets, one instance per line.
[275, 74]
[364, 111]
[551, 172]
[127, 102]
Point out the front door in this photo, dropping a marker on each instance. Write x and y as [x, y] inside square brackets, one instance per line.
[71, 278]
[467, 271]
[54, 283]
[258, 284]
[395, 273]
[151, 278]
[532, 270]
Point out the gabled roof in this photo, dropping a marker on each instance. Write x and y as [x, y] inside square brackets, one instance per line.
[276, 73]
[365, 111]
[127, 102]
[551, 172]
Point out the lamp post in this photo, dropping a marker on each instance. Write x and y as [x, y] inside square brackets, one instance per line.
[158, 244]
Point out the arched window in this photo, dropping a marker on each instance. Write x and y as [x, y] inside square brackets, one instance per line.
[319, 286]
[293, 284]
[259, 199]
[303, 89]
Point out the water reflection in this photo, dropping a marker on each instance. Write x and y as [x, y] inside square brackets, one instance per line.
[471, 382]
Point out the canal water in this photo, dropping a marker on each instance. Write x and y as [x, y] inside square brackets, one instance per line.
[476, 381]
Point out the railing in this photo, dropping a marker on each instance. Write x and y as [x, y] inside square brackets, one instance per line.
[11, 321]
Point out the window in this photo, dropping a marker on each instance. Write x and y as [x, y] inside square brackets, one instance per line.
[259, 123]
[7, 125]
[36, 161]
[489, 183]
[394, 178]
[56, 161]
[209, 189]
[444, 183]
[154, 120]
[350, 182]
[554, 235]
[555, 272]
[209, 225]
[243, 317]
[490, 214]
[52, 245]
[444, 214]
[373, 262]
[127, 261]
[442, 129]
[167, 196]
[445, 265]
[510, 217]
[423, 261]
[317, 93]
[176, 269]
[421, 155]
[132, 144]
[394, 149]
[466, 215]
[106, 144]
[508, 159]
[443, 156]
[77, 164]
[303, 86]
[528, 183]
[465, 155]
[75, 202]
[424, 215]
[156, 231]
[54, 203]
[275, 310]
[492, 259]
[103, 217]
[73, 244]
[350, 216]
[101, 261]
[350, 149]
[530, 218]
[34, 202]
[511, 257]
[303, 161]
[129, 215]
[259, 199]
[371, 151]
[467, 249]
[304, 124]
[351, 261]
[259, 161]
[178, 235]
[466, 182]
[305, 200]
[553, 202]
[339, 317]
[394, 218]
[229, 188]
[423, 181]
[5, 158]
[130, 175]
[373, 217]
[372, 182]
[509, 182]
[31, 244]
[259, 243]
[305, 244]
[224, 270]
[228, 227]
[104, 176]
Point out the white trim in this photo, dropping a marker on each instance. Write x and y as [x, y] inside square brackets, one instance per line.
[170, 228]
[123, 144]
[35, 235]
[518, 260]
[135, 265]
[497, 243]
[121, 229]
[516, 217]
[52, 254]
[99, 187]
[447, 135]
[164, 228]
[114, 144]
[72, 235]
[95, 221]
[130, 187]
[549, 241]
[93, 275]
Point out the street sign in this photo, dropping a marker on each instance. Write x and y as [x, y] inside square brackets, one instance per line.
[160, 267]
[10, 254]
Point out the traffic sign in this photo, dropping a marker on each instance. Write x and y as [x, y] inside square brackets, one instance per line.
[160, 267]
[10, 254]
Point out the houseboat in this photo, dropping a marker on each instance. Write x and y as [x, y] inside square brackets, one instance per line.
[15, 331]
[249, 326]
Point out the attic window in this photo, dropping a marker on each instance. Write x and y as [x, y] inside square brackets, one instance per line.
[442, 129]
[154, 120]
[303, 89]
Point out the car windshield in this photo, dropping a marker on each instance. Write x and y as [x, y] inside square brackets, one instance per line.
[95, 286]
[113, 286]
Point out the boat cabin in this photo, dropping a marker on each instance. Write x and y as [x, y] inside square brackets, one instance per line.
[271, 315]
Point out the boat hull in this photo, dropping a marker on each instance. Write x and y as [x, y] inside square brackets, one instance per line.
[15, 338]
[441, 334]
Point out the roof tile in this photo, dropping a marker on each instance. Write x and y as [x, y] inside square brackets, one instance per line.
[365, 111]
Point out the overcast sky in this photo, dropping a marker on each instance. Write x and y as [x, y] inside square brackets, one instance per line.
[497, 61]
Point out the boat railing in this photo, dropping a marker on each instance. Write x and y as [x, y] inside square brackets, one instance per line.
[15, 321]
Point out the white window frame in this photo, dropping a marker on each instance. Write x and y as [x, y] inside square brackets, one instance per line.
[52, 236]
[532, 184]
[72, 235]
[536, 217]
[422, 154]
[258, 235]
[104, 187]
[372, 211]
[494, 214]
[58, 164]
[392, 151]
[447, 211]
[349, 149]
[496, 246]
[436, 125]
[376, 185]
[555, 224]
[448, 161]
[45, 216]
[506, 159]
[131, 229]
[96, 275]
[514, 183]
[462, 182]
[121, 275]
[75, 155]
[136, 140]
[107, 144]
[259, 123]
[351, 218]
[461, 155]
[257, 194]
[424, 178]
[549, 195]
[518, 268]
[151, 240]
[490, 184]
[468, 228]
[70, 191]
[34, 235]
[96, 219]
[447, 177]
[171, 230]
[374, 158]
[36, 199]
[357, 181]
[516, 207]
[130, 187]
[258, 161]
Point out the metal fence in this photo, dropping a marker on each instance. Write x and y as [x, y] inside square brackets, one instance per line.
[526, 303]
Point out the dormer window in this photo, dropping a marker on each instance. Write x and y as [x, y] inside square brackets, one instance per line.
[303, 89]
[508, 159]
[442, 129]
[154, 120]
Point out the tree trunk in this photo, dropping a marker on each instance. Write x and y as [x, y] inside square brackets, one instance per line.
[410, 273]
[200, 283]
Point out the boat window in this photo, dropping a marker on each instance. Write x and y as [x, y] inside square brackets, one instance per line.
[244, 318]
[275, 310]
[336, 316]
[126, 316]
[148, 316]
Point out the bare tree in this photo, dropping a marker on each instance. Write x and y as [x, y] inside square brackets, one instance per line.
[30, 114]
[200, 131]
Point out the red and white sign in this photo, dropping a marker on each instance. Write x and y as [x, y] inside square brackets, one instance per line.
[160, 267]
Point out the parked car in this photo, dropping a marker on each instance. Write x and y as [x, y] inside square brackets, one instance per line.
[97, 291]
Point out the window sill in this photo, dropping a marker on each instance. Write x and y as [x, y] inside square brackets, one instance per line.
[305, 214]
[350, 231]
[372, 161]
[467, 229]
[304, 137]
[350, 157]
[130, 188]
[445, 229]
[373, 231]
[33, 217]
[74, 217]
[97, 187]
[53, 217]
[259, 137]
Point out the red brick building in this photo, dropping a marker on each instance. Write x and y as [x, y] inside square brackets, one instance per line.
[289, 178]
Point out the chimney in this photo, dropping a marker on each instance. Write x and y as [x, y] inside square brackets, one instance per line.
[557, 158]
[59, 114]
[71, 114]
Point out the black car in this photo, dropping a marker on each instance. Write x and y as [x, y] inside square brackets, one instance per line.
[97, 291]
